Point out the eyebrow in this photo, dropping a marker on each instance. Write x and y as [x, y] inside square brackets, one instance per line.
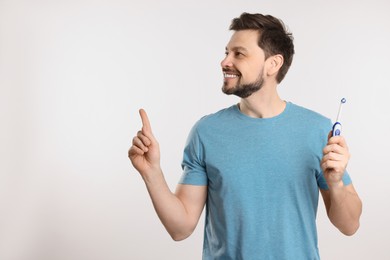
[237, 48]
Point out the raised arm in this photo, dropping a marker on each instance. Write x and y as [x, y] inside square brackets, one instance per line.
[180, 211]
[342, 203]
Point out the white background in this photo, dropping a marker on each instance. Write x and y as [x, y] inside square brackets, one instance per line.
[73, 75]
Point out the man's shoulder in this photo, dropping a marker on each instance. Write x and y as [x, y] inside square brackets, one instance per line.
[216, 118]
[308, 115]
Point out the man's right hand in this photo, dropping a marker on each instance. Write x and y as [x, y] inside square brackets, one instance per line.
[180, 211]
[145, 152]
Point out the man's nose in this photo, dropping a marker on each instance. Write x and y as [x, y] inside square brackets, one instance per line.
[226, 62]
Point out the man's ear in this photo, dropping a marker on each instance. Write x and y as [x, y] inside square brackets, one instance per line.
[273, 64]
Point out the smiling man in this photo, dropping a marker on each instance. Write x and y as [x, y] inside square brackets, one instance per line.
[259, 165]
[248, 58]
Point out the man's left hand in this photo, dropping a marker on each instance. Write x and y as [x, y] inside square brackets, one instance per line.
[335, 160]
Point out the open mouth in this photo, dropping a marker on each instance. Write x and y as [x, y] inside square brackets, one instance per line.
[227, 75]
[230, 74]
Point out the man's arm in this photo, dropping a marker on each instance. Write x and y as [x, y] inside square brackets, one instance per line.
[180, 211]
[343, 207]
[342, 203]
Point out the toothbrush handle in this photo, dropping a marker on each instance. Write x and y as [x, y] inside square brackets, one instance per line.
[336, 130]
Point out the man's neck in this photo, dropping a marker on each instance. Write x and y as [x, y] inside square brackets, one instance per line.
[262, 104]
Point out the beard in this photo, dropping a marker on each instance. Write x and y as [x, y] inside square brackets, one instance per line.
[244, 90]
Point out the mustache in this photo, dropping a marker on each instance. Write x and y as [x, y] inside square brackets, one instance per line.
[231, 71]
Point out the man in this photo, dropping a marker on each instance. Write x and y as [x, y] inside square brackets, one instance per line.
[258, 166]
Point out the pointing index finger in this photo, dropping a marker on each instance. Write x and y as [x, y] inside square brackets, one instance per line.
[145, 121]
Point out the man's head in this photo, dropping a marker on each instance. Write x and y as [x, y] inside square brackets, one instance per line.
[260, 46]
[273, 37]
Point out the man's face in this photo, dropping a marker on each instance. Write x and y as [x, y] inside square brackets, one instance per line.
[243, 66]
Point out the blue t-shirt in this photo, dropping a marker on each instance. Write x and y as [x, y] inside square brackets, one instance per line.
[263, 176]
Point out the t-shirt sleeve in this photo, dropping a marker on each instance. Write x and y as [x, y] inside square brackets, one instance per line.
[194, 170]
[324, 186]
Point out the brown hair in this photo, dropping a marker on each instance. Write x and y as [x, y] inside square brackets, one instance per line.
[274, 38]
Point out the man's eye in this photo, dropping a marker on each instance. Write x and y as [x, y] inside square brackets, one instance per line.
[236, 54]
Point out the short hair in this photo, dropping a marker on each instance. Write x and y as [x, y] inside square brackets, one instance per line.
[274, 38]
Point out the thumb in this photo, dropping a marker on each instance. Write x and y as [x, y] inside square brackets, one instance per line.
[330, 135]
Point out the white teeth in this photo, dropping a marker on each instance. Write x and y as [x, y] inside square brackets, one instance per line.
[230, 75]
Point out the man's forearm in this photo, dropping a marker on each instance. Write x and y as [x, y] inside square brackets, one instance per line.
[345, 209]
[169, 208]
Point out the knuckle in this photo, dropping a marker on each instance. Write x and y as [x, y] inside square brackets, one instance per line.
[325, 164]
